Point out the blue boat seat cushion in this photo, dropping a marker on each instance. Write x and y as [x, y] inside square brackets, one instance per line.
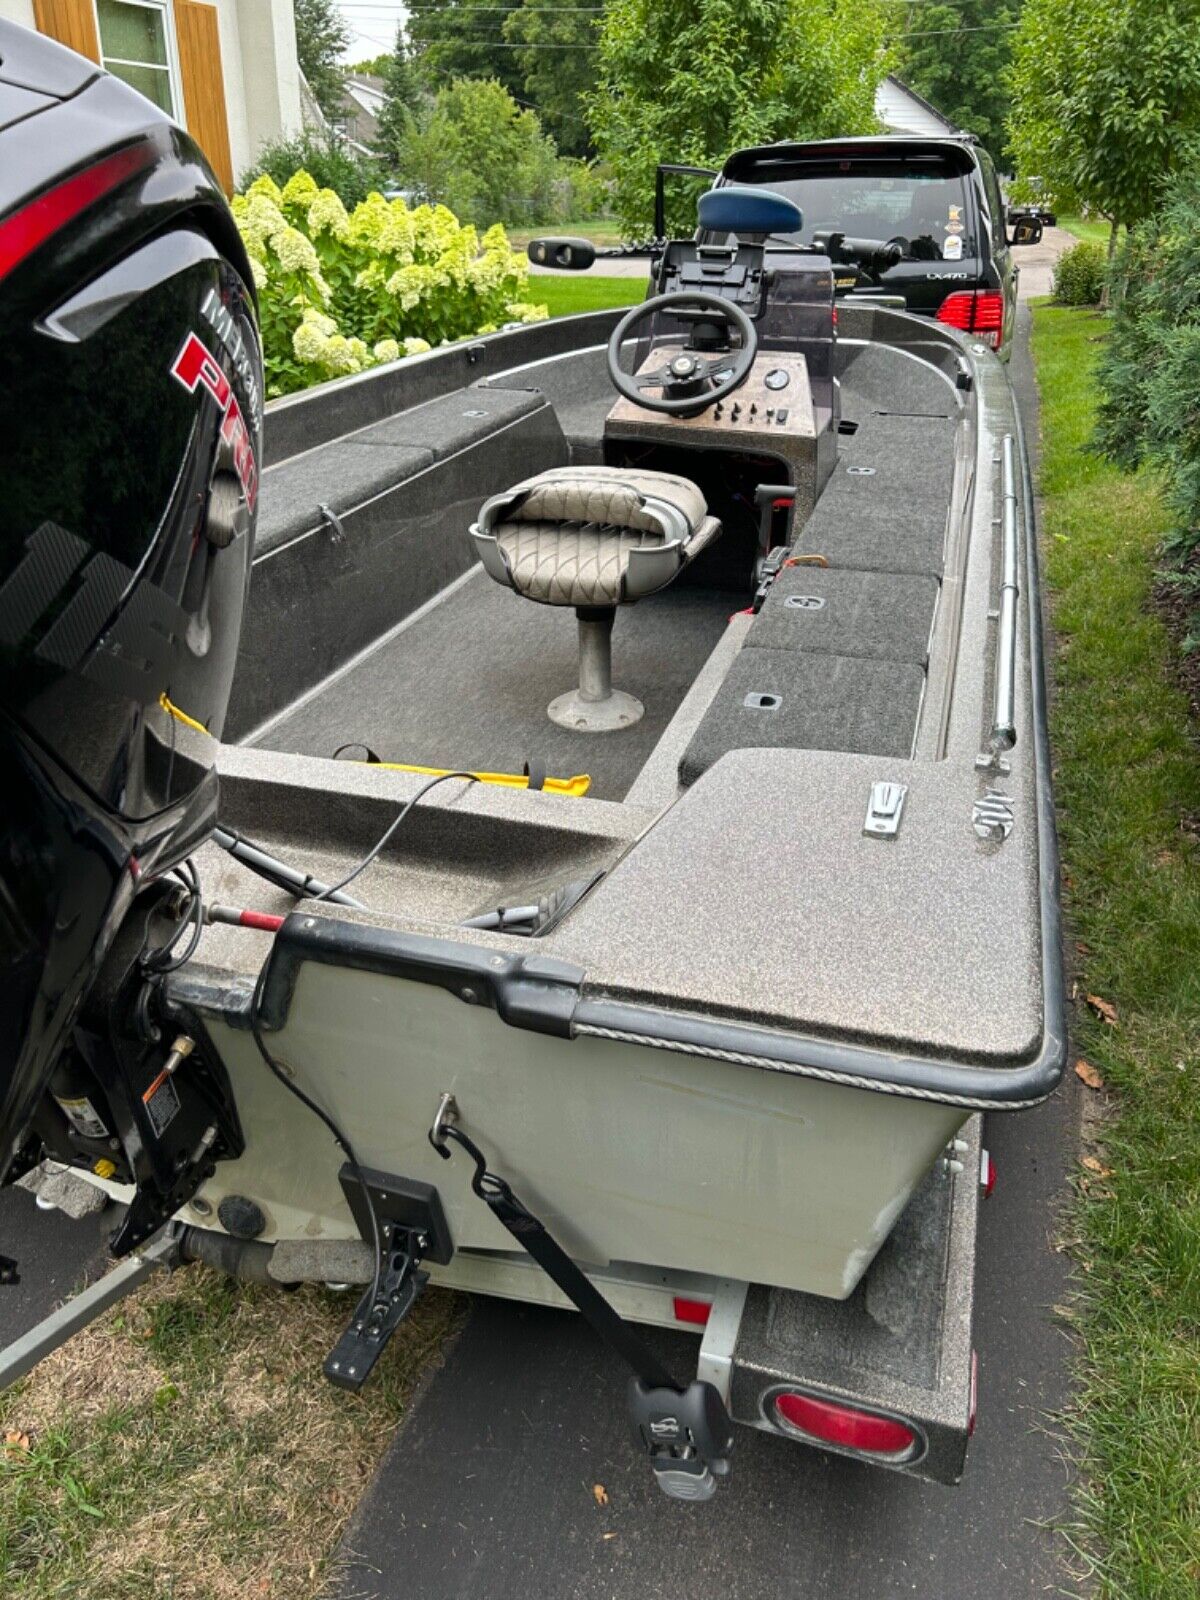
[745, 209]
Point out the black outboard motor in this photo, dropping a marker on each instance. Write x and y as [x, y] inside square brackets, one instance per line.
[130, 442]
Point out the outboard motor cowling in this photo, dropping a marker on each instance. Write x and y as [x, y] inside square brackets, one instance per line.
[131, 400]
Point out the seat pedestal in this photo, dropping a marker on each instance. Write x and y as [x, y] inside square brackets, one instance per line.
[595, 706]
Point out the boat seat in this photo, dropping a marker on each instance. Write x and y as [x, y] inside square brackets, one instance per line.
[593, 538]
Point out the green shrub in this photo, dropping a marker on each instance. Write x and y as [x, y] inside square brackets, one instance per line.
[343, 291]
[476, 151]
[330, 161]
[1079, 275]
[584, 191]
[1150, 371]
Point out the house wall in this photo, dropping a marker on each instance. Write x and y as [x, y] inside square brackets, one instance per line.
[258, 70]
[901, 111]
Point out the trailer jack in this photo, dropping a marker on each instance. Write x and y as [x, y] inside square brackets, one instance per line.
[685, 1430]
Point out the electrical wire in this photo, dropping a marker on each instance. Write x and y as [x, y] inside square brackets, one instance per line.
[442, 777]
[340, 1138]
[158, 962]
[256, 1029]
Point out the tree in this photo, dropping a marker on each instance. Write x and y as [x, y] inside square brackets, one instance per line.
[557, 66]
[375, 67]
[691, 80]
[465, 39]
[321, 39]
[1106, 100]
[476, 151]
[963, 75]
[401, 93]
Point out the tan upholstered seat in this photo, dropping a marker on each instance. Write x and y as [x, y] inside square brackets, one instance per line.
[594, 538]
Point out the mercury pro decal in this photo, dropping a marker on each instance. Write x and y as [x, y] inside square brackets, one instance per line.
[196, 365]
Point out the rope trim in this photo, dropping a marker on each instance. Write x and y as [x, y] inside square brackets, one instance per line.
[742, 1059]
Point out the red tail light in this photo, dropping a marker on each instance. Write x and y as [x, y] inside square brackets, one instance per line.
[694, 1311]
[978, 311]
[41, 218]
[831, 1422]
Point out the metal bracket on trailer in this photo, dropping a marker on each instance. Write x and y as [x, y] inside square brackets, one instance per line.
[161, 1253]
[685, 1429]
[411, 1227]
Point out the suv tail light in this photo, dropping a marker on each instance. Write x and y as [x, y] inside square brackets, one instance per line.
[977, 311]
[832, 1422]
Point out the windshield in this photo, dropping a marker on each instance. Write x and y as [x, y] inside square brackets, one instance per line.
[926, 209]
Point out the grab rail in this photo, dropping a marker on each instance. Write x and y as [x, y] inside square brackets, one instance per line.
[1004, 724]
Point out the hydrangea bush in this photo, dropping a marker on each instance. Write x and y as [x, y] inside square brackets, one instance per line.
[341, 291]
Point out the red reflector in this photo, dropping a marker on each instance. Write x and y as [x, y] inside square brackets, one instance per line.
[987, 1174]
[25, 230]
[845, 1425]
[691, 1310]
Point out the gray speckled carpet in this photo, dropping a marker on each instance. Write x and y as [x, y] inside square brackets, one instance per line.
[468, 684]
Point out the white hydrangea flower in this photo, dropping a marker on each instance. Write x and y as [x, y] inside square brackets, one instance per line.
[328, 214]
[416, 347]
[265, 188]
[387, 350]
[300, 190]
[295, 252]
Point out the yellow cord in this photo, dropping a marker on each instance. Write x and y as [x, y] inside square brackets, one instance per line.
[181, 716]
[576, 786]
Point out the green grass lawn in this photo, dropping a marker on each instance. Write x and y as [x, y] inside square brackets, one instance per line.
[583, 292]
[186, 1446]
[1095, 229]
[1128, 790]
[603, 230]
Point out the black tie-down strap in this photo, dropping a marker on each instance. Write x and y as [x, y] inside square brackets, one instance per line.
[686, 1430]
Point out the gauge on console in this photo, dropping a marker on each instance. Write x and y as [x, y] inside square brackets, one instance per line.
[777, 378]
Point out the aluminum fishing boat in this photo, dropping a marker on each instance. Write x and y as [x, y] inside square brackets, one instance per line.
[687, 664]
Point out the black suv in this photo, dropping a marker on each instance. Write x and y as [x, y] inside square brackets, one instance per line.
[900, 215]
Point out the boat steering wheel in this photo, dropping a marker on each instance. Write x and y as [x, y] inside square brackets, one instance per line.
[690, 380]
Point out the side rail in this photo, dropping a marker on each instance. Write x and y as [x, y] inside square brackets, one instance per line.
[1003, 733]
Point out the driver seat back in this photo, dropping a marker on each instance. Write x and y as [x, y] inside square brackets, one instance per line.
[592, 535]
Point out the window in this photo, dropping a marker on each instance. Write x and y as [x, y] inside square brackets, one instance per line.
[923, 203]
[136, 45]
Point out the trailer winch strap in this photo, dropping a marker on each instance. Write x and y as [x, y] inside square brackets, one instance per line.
[686, 1430]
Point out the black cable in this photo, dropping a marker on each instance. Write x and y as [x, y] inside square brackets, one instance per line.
[366, 861]
[277, 1071]
[158, 962]
[339, 1137]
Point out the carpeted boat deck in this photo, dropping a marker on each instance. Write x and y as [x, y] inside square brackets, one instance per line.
[839, 664]
[467, 685]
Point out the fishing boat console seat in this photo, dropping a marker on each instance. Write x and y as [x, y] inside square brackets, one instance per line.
[593, 538]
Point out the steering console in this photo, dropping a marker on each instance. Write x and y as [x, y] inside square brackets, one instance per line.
[693, 378]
